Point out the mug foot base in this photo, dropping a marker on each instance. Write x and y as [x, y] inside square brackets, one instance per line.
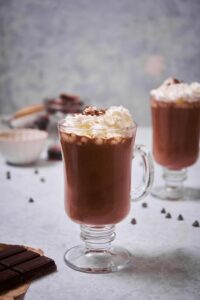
[81, 259]
[188, 193]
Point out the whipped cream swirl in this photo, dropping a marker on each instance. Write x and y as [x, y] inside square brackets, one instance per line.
[177, 91]
[113, 123]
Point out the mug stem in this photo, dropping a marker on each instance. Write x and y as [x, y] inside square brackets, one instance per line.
[97, 255]
[97, 238]
[174, 183]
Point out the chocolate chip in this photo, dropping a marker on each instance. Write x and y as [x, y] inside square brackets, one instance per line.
[42, 179]
[163, 211]
[144, 204]
[195, 224]
[36, 171]
[180, 218]
[133, 221]
[30, 200]
[8, 175]
[168, 216]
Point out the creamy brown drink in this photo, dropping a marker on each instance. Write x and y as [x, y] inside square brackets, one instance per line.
[97, 148]
[175, 108]
[97, 151]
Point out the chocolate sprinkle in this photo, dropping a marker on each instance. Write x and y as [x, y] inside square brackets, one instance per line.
[168, 216]
[163, 211]
[133, 221]
[30, 200]
[42, 179]
[195, 224]
[36, 171]
[144, 204]
[180, 218]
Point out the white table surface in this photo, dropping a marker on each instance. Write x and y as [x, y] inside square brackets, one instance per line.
[166, 252]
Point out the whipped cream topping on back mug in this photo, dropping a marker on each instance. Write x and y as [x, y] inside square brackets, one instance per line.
[174, 90]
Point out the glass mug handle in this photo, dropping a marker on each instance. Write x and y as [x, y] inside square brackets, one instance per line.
[148, 176]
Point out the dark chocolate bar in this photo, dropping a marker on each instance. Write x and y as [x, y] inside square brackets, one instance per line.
[2, 268]
[8, 279]
[19, 265]
[11, 251]
[18, 258]
[36, 267]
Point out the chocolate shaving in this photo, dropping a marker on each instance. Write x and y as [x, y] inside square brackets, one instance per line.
[93, 111]
[171, 81]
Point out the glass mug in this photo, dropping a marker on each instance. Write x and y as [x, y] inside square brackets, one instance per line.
[97, 193]
[176, 136]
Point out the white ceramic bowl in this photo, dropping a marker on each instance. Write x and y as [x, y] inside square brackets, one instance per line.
[22, 146]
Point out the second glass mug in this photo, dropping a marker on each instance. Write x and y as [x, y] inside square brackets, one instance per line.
[97, 193]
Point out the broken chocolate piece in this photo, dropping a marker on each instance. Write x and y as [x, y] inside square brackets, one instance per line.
[195, 224]
[168, 216]
[180, 218]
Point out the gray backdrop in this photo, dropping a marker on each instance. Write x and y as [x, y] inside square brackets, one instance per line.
[110, 51]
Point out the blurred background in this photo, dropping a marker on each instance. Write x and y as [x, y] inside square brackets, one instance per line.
[110, 52]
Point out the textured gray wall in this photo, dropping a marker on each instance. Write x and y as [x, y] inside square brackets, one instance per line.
[111, 51]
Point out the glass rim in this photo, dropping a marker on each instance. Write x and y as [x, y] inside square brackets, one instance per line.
[60, 125]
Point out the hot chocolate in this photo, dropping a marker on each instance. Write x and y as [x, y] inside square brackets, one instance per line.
[97, 153]
[175, 110]
[97, 148]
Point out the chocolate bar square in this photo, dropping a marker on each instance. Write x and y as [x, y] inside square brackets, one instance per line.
[19, 265]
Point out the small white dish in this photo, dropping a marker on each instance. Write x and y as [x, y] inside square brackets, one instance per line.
[22, 146]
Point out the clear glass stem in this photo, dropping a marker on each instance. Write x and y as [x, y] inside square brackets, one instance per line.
[98, 238]
[97, 255]
[174, 182]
